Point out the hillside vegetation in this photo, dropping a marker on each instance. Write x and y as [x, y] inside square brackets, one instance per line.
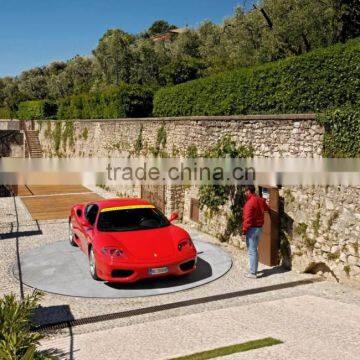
[267, 32]
[323, 79]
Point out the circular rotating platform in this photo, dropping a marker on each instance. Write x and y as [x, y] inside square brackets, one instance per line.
[61, 269]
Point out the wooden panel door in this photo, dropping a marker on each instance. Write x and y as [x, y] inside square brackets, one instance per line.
[269, 242]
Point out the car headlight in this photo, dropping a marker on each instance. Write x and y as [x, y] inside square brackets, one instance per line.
[112, 252]
[185, 243]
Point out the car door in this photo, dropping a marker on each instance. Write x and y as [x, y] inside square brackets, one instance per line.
[91, 212]
[76, 220]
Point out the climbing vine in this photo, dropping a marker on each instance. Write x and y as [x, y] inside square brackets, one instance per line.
[214, 196]
[139, 141]
[56, 136]
[191, 152]
[85, 133]
[62, 135]
[68, 135]
[48, 132]
[161, 138]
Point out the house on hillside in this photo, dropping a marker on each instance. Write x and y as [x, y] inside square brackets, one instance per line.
[168, 35]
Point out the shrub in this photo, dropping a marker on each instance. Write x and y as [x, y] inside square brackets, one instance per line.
[181, 70]
[16, 339]
[37, 110]
[342, 132]
[322, 79]
[112, 103]
[5, 113]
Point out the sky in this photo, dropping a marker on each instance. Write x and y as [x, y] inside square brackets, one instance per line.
[37, 32]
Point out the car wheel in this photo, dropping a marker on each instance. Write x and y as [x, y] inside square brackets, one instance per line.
[92, 265]
[71, 235]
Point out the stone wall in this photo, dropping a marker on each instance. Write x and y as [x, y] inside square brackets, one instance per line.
[321, 229]
[320, 226]
[268, 135]
[11, 143]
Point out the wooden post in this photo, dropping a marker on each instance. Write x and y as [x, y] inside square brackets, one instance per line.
[269, 242]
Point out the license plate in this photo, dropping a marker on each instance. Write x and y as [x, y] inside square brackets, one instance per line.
[157, 271]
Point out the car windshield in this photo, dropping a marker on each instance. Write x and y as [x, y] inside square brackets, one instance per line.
[131, 219]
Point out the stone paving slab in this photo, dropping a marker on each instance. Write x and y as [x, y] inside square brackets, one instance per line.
[59, 308]
[310, 327]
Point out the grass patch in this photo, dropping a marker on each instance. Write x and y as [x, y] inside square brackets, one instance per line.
[232, 349]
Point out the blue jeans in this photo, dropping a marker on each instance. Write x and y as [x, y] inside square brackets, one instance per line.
[252, 242]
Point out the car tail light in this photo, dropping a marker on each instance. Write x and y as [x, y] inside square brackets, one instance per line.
[183, 243]
[113, 252]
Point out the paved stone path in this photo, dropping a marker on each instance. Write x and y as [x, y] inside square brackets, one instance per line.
[310, 327]
[318, 320]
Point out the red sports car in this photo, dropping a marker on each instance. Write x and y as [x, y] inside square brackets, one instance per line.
[127, 240]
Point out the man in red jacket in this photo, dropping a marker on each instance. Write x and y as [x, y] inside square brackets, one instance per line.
[253, 221]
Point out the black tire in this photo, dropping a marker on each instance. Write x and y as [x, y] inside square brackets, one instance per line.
[72, 236]
[92, 265]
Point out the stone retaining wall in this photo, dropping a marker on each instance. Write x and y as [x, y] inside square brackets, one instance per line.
[321, 229]
[11, 143]
[320, 226]
[269, 135]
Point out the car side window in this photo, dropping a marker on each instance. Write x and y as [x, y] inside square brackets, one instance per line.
[91, 213]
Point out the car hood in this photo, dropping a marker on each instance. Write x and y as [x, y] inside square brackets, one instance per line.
[147, 245]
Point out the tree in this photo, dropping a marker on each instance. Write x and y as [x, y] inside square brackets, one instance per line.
[159, 27]
[271, 30]
[298, 26]
[113, 56]
[2, 92]
[11, 94]
[81, 70]
[345, 18]
[186, 44]
[181, 70]
[32, 83]
[145, 63]
[350, 20]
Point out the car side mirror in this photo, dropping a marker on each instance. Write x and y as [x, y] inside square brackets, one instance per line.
[85, 222]
[174, 216]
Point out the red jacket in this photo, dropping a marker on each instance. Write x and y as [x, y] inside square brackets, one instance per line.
[253, 212]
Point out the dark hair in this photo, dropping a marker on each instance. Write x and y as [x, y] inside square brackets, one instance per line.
[251, 188]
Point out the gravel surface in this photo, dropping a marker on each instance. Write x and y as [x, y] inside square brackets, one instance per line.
[26, 234]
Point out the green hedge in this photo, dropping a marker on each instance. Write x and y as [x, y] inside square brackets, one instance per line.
[37, 110]
[122, 101]
[342, 132]
[5, 113]
[322, 79]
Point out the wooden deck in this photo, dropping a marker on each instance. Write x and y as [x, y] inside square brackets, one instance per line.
[31, 190]
[54, 202]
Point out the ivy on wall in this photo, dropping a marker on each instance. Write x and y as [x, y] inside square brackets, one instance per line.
[214, 196]
[68, 135]
[62, 135]
[56, 136]
[160, 145]
[139, 141]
